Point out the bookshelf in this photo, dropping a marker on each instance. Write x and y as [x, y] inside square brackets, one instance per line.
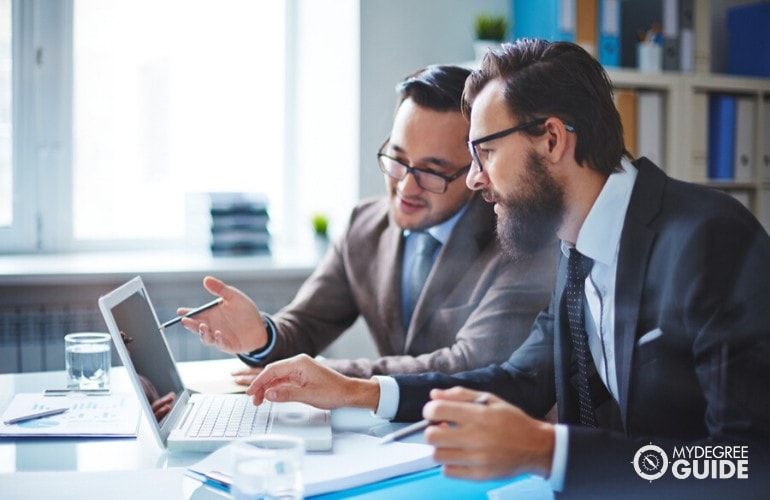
[680, 123]
[686, 116]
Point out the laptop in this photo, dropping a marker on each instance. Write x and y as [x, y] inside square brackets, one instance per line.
[196, 422]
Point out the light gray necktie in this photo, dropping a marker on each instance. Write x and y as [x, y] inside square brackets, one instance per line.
[425, 248]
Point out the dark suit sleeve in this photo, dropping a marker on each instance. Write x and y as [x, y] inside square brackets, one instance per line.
[525, 379]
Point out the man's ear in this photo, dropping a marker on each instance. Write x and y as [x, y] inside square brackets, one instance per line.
[558, 140]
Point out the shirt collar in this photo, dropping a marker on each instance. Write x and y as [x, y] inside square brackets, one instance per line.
[443, 230]
[599, 236]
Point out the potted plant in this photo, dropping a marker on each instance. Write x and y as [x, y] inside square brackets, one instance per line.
[321, 232]
[490, 30]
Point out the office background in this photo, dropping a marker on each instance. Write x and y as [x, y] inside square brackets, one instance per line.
[46, 294]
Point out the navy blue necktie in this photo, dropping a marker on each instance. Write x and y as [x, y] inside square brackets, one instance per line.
[578, 268]
[417, 274]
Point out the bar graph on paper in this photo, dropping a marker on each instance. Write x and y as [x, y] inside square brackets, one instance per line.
[114, 415]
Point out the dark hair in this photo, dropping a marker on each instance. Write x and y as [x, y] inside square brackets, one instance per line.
[556, 79]
[437, 87]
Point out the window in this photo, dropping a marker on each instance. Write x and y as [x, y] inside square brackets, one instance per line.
[128, 113]
[6, 161]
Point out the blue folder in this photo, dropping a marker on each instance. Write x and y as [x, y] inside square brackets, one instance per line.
[609, 33]
[721, 136]
[543, 19]
[430, 484]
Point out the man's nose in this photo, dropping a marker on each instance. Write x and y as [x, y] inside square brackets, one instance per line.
[476, 178]
[409, 184]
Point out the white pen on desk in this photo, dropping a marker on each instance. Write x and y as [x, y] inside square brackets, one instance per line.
[33, 416]
[85, 392]
[191, 312]
[422, 424]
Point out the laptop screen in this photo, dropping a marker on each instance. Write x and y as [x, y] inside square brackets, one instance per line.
[147, 347]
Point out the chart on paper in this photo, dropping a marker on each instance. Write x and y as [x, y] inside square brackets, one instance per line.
[113, 415]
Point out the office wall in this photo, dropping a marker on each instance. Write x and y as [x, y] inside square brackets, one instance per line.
[398, 37]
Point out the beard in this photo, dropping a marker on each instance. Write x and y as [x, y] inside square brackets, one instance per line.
[528, 221]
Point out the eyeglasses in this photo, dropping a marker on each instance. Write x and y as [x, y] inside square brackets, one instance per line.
[473, 146]
[426, 179]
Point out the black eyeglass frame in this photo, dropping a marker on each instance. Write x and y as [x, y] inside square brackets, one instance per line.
[497, 135]
[417, 171]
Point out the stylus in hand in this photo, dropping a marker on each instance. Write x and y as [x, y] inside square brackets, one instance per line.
[192, 312]
[422, 424]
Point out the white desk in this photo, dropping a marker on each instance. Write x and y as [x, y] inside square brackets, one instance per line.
[33, 468]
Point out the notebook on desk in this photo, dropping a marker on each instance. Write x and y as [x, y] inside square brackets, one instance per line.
[196, 422]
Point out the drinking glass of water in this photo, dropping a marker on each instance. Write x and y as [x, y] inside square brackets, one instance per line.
[87, 359]
[268, 467]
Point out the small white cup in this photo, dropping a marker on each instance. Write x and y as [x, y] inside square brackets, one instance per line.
[87, 360]
[649, 57]
[268, 466]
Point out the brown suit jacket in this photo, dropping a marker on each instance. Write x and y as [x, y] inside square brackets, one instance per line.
[476, 308]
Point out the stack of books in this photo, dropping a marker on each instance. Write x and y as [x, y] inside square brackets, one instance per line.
[239, 224]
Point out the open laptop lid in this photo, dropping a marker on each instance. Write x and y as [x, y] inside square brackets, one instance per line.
[144, 351]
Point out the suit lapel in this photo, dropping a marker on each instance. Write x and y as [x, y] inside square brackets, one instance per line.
[469, 237]
[565, 396]
[636, 243]
[390, 257]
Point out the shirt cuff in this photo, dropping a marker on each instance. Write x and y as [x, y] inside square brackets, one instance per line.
[257, 356]
[559, 463]
[389, 395]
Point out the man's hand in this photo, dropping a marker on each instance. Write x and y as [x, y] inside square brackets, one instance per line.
[234, 326]
[495, 440]
[304, 379]
[245, 376]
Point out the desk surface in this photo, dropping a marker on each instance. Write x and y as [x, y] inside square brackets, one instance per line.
[30, 468]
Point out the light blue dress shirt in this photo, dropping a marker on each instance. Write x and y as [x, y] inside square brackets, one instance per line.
[441, 233]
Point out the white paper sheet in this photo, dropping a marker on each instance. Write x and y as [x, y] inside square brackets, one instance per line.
[356, 459]
[113, 415]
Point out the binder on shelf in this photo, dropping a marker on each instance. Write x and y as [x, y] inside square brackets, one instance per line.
[745, 127]
[700, 132]
[547, 19]
[625, 101]
[671, 35]
[766, 142]
[586, 34]
[687, 35]
[748, 40]
[649, 142]
[609, 33]
[721, 146]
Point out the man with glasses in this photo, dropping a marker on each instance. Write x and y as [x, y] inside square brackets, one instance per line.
[422, 265]
[656, 344]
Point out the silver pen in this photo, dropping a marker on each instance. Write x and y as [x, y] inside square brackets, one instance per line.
[33, 416]
[422, 424]
[87, 392]
[191, 312]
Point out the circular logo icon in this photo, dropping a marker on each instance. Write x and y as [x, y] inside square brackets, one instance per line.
[650, 462]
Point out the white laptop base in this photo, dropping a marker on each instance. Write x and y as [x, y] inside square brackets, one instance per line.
[152, 370]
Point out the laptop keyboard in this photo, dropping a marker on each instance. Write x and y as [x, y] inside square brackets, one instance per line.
[230, 417]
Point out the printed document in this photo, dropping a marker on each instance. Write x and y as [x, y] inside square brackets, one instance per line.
[112, 415]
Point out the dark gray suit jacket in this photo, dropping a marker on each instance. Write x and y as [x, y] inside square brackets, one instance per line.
[476, 308]
[695, 264]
